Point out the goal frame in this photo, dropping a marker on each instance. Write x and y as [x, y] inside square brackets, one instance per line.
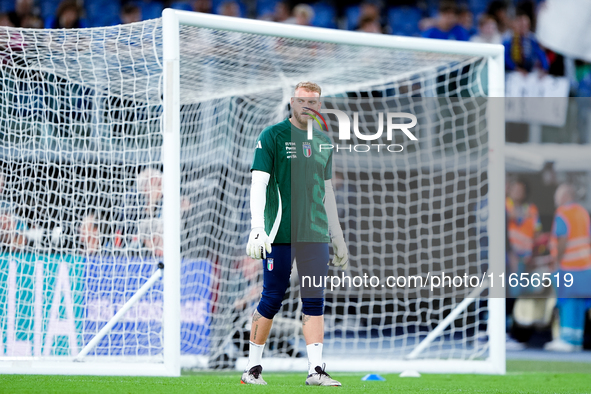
[495, 363]
[170, 126]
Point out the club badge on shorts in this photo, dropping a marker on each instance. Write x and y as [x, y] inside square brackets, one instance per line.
[269, 264]
[307, 149]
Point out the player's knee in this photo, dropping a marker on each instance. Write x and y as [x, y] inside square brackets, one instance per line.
[269, 305]
[313, 306]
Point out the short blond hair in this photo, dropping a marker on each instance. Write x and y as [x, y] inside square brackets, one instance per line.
[309, 86]
[304, 10]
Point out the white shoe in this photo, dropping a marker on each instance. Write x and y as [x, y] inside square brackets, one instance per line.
[253, 376]
[512, 344]
[558, 345]
[321, 378]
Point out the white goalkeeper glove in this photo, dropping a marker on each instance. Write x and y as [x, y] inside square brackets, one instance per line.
[341, 255]
[258, 244]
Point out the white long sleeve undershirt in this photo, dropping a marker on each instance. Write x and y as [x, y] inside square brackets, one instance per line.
[258, 198]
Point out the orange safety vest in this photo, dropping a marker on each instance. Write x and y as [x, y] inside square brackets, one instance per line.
[521, 235]
[578, 245]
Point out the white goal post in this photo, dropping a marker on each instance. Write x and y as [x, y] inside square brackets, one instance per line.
[494, 363]
[141, 136]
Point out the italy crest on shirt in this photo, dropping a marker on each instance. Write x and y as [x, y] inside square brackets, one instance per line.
[307, 149]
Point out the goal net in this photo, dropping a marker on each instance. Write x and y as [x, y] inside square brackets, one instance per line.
[130, 146]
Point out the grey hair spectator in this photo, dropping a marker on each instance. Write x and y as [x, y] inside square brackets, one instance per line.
[303, 14]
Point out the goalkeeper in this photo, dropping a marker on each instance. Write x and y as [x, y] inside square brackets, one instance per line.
[293, 207]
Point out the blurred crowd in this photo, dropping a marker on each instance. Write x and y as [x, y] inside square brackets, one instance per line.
[508, 22]
[129, 223]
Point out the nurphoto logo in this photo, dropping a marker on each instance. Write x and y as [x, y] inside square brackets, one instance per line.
[345, 129]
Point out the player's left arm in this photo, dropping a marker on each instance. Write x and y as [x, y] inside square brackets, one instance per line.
[341, 255]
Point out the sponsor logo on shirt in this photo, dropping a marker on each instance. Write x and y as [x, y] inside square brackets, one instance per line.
[290, 150]
[259, 145]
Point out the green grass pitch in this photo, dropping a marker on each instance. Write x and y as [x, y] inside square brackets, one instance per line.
[522, 377]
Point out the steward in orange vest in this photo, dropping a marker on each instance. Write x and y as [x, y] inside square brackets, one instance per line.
[570, 243]
[523, 220]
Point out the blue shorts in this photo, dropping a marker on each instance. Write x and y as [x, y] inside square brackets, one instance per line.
[312, 262]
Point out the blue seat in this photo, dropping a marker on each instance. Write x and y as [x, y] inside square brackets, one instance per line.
[102, 12]
[404, 21]
[265, 7]
[151, 10]
[324, 15]
[352, 15]
[6, 5]
[432, 10]
[477, 6]
[182, 5]
[48, 8]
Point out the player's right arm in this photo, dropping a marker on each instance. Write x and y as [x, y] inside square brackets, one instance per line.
[262, 166]
[258, 242]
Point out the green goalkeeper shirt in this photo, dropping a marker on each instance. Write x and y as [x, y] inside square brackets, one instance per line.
[298, 169]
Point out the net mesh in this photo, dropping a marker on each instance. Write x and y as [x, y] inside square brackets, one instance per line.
[80, 129]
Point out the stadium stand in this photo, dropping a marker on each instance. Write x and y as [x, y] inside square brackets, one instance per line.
[181, 5]
[324, 15]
